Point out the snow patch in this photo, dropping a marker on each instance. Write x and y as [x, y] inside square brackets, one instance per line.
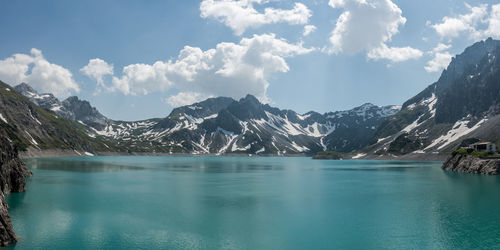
[413, 125]
[31, 138]
[383, 139]
[3, 118]
[56, 108]
[299, 148]
[32, 117]
[360, 155]
[303, 117]
[260, 150]
[458, 130]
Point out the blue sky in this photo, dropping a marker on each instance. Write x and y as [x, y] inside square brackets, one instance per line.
[292, 71]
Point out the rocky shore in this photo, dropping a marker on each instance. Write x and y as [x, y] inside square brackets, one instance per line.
[472, 164]
[13, 173]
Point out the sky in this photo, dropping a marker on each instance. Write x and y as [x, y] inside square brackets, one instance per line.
[136, 60]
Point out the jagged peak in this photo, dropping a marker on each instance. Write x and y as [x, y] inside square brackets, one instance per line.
[250, 98]
[72, 98]
[24, 87]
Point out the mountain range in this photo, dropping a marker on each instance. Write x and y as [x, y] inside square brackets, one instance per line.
[463, 106]
[223, 125]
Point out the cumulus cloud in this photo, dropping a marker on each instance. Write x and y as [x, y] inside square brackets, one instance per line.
[451, 27]
[441, 58]
[35, 70]
[364, 25]
[241, 15]
[368, 25]
[96, 69]
[308, 29]
[229, 69]
[394, 54]
[478, 23]
[185, 98]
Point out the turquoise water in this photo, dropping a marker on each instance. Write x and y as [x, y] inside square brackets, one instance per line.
[253, 203]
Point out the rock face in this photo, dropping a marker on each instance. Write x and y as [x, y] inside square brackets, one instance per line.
[472, 164]
[30, 126]
[464, 103]
[12, 179]
[82, 111]
[71, 108]
[226, 126]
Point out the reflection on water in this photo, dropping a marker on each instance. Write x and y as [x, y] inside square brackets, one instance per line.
[253, 203]
[77, 165]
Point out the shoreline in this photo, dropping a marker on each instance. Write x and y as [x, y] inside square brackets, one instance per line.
[58, 153]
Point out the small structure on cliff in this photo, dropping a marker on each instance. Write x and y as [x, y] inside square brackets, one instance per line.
[486, 147]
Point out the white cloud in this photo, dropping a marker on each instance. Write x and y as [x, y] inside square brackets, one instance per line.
[441, 58]
[368, 25]
[35, 70]
[230, 69]
[394, 54]
[479, 23]
[97, 69]
[451, 27]
[241, 15]
[493, 22]
[364, 25]
[185, 98]
[308, 29]
[441, 47]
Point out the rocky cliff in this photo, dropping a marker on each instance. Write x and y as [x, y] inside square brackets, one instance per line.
[12, 179]
[463, 104]
[472, 164]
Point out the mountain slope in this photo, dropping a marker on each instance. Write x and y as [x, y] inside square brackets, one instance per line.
[222, 126]
[29, 126]
[71, 108]
[463, 103]
[248, 126]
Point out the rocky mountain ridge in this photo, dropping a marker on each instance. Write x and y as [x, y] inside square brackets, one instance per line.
[463, 104]
[31, 127]
[226, 126]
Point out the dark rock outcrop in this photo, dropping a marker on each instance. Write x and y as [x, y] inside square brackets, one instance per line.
[12, 179]
[472, 164]
[464, 103]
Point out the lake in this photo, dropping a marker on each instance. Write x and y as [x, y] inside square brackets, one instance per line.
[253, 203]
